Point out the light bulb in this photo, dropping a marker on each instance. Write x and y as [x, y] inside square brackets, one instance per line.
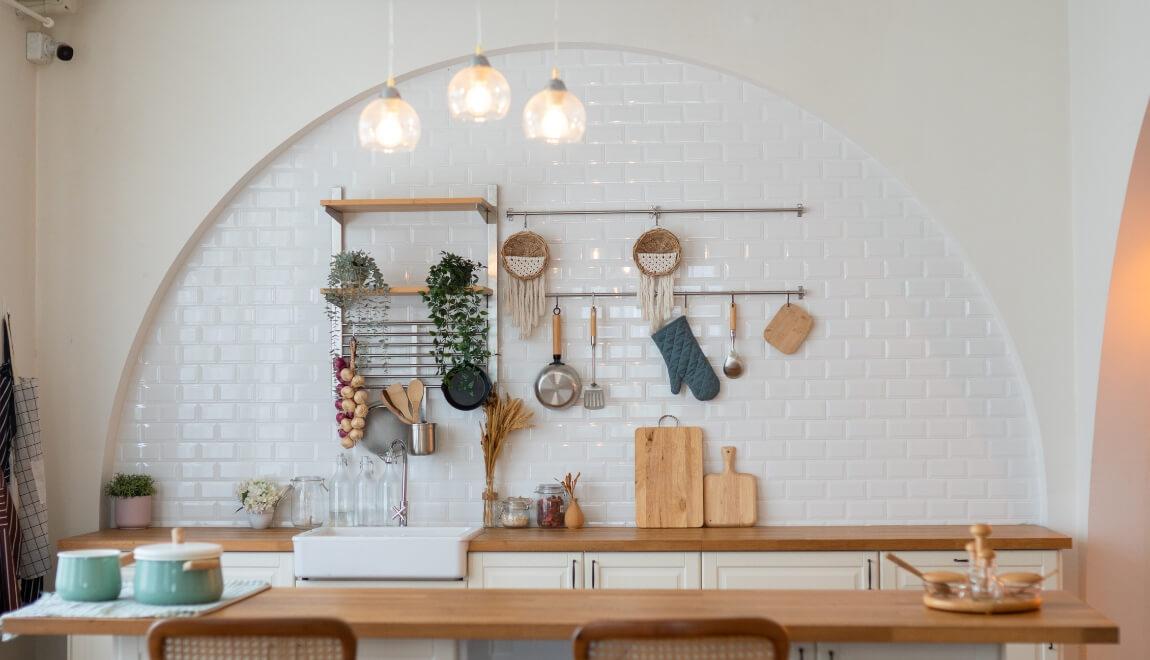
[478, 93]
[389, 124]
[555, 115]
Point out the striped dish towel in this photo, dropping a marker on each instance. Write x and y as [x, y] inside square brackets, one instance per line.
[9, 524]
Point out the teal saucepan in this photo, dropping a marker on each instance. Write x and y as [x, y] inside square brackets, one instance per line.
[89, 575]
[178, 573]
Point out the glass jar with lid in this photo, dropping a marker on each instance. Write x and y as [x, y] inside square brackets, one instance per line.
[550, 505]
[308, 502]
[515, 511]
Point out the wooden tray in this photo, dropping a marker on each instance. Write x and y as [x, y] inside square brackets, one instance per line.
[968, 606]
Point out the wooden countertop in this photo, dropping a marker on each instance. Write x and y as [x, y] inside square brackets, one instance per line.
[233, 539]
[815, 616]
[630, 539]
[798, 539]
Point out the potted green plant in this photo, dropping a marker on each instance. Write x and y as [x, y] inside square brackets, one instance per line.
[132, 499]
[259, 497]
[459, 313]
[352, 276]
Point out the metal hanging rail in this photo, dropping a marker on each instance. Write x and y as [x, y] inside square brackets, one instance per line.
[798, 292]
[656, 211]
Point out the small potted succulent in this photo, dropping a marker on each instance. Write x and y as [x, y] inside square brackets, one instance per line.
[259, 497]
[132, 499]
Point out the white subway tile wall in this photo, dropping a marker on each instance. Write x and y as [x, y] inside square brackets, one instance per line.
[906, 404]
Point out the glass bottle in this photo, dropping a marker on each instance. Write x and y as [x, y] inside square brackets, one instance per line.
[388, 489]
[341, 498]
[366, 499]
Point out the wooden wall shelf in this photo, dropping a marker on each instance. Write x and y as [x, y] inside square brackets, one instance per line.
[408, 290]
[337, 207]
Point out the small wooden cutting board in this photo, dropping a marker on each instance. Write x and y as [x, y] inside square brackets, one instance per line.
[789, 328]
[669, 476]
[730, 499]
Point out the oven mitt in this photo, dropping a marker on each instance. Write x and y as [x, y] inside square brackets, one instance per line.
[685, 360]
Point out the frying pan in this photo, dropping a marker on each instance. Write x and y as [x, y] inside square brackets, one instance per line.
[467, 388]
[558, 385]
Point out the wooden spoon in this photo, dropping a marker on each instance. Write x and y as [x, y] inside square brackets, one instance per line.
[383, 396]
[902, 563]
[415, 394]
[399, 399]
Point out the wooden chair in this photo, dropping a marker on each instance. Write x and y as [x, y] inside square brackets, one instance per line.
[702, 639]
[251, 639]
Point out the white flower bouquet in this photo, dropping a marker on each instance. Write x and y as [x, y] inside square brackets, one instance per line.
[259, 495]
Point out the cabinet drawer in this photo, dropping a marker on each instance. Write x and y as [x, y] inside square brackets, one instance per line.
[1033, 561]
[789, 570]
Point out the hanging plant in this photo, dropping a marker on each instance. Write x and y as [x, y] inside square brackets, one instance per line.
[459, 314]
[352, 276]
[357, 296]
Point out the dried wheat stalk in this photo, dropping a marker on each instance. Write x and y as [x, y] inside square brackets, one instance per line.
[503, 416]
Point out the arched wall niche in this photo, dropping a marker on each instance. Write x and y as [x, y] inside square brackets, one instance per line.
[1118, 545]
[907, 405]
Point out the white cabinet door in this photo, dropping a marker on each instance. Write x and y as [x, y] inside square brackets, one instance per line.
[525, 570]
[275, 568]
[641, 570]
[1033, 561]
[789, 570]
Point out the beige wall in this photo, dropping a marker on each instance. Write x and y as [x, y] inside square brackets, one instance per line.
[1118, 558]
[965, 102]
[17, 188]
[1109, 89]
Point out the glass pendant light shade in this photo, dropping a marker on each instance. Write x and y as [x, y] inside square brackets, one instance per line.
[478, 93]
[389, 124]
[555, 115]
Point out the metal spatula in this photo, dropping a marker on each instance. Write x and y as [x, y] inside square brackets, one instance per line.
[593, 398]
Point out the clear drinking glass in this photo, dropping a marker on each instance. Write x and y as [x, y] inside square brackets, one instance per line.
[341, 498]
[308, 502]
[367, 499]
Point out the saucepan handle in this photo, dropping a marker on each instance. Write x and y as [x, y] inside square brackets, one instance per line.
[201, 564]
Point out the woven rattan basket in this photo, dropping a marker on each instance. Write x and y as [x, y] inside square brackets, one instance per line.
[524, 255]
[657, 252]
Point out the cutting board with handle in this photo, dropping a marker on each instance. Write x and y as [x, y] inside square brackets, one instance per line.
[789, 328]
[730, 499]
[669, 476]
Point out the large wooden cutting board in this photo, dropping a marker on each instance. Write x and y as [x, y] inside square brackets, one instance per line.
[669, 476]
[730, 499]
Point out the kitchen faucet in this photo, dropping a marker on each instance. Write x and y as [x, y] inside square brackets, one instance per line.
[398, 452]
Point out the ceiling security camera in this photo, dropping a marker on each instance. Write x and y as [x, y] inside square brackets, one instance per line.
[42, 49]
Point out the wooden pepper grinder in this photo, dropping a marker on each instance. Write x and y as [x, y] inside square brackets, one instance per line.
[983, 581]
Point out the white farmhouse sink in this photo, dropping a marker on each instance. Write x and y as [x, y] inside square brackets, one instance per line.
[383, 553]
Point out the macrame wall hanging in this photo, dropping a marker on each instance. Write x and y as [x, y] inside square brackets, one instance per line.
[657, 254]
[524, 256]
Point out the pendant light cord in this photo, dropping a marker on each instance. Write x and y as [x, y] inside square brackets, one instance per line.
[478, 27]
[555, 52]
[391, 43]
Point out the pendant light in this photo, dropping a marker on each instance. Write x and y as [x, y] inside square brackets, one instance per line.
[478, 93]
[555, 115]
[389, 124]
